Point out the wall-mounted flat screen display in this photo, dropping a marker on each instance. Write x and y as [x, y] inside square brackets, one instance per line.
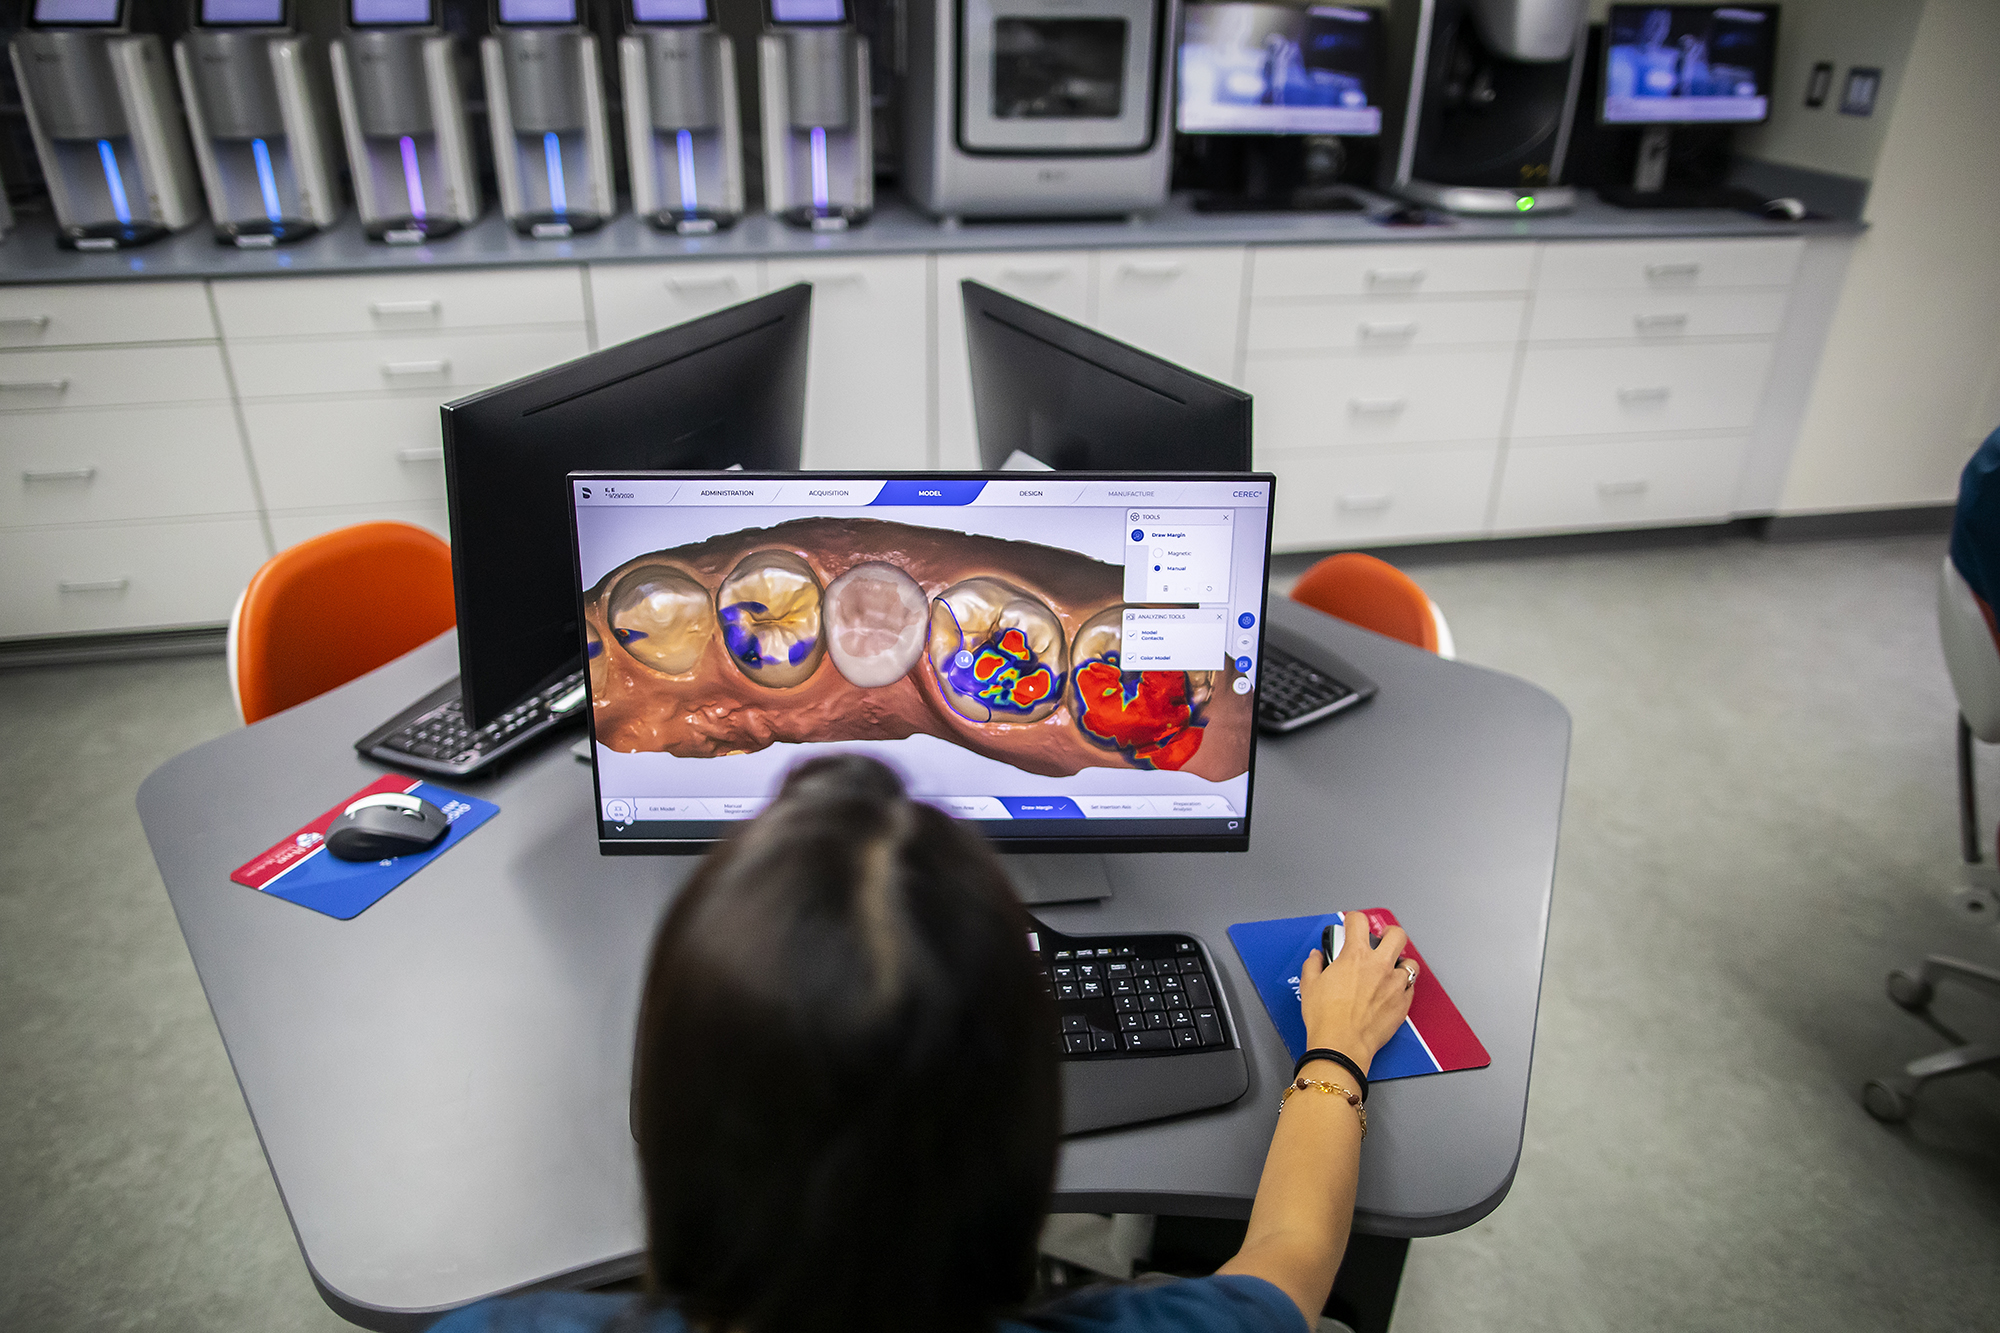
[389, 13]
[1275, 69]
[1688, 64]
[77, 13]
[246, 13]
[670, 11]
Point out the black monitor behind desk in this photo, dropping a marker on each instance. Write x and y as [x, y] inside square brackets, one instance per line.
[441, 1084]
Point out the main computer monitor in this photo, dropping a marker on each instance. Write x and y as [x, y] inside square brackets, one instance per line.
[1688, 64]
[1077, 400]
[1279, 69]
[1068, 660]
[724, 390]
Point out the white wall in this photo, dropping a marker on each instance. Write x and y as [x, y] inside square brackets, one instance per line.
[1910, 380]
[1873, 34]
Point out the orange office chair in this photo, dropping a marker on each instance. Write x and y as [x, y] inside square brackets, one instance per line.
[1376, 595]
[334, 607]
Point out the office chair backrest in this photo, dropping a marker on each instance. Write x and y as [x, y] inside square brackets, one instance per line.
[1971, 654]
[334, 607]
[1375, 595]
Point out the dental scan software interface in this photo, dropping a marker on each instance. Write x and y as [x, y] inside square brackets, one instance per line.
[1066, 658]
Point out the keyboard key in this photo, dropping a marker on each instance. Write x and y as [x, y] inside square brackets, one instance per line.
[1148, 985]
[1065, 974]
[1181, 1018]
[1077, 1043]
[1092, 990]
[1065, 990]
[1151, 1002]
[1190, 964]
[1126, 1004]
[1149, 1041]
[1089, 972]
[1143, 967]
[1118, 971]
[1124, 987]
[1103, 1041]
[1209, 1026]
[1186, 1037]
[1156, 1018]
[1131, 1022]
[1074, 1023]
[1197, 993]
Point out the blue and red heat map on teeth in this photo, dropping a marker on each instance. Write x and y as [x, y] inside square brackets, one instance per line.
[1434, 1039]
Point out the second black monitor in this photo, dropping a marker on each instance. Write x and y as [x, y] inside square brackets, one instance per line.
[1078, 401]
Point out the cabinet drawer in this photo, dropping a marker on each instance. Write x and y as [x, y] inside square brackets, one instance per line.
[361, 451]
[1651, 318]
[1591, 266]
[399, 302]
[1329, 500]
[629, 300]
[110, 376]
[454, 362]
[1056, 280]
[289, 527]
[1368, 400]
[63, 315]
[1183, 305]
[134, 576]
[1411, 269]
[1618, 483]
[867, 402]
[1608, 390]
[114, 465]
[1342, 326]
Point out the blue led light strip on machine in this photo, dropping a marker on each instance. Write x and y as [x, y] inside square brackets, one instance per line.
[413, 179]
[819, 168]
[552, 154]
[684, 153]
[114, 182]
[267, 180]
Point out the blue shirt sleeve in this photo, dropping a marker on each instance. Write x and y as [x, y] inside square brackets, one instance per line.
[1233, 1304]
[558, 1312]
[1975, 529]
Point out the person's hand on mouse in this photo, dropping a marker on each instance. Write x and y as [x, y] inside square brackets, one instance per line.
[1356, 1002]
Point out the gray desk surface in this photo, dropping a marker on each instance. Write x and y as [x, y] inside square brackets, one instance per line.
[440, 1085]
[30, 255]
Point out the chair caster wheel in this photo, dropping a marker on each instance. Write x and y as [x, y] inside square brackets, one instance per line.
[1884, 1102]
[1909, 990]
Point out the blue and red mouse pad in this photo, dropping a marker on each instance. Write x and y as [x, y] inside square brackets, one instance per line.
[1434, 1039]
[301, 870]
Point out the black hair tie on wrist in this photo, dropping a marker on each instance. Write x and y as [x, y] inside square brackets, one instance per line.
[1321, 1053]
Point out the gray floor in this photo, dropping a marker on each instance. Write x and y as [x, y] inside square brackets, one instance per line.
[1760, 825]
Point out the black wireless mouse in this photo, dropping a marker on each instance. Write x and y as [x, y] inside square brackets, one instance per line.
[384, 825]
[1326, 942]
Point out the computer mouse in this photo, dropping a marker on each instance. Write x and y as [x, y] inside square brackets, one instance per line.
[384, 825]
[1784, 210]
[1409, 215]
[1326, 942]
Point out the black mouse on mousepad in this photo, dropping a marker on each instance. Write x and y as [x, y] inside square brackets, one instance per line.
[387, 824]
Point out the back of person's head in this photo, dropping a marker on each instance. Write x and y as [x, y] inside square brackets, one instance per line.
[847, 1096]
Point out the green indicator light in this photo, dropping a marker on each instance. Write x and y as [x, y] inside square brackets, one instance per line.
[1525, 202]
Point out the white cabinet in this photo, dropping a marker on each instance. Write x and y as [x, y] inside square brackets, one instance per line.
[348, 452]
[1364, 499]
[1378, 326]
[1598, 390]
[1297, 272]
[399, 302]
[1617, 483]
[1380, 399]
[69, 315]
[867, 399]
[109, 376]
[628, 300]
[1056, 280]
[448, 364]
[1666, 266]
[115, 465]
[1184, 305]
[1649, 317]
[66, 580]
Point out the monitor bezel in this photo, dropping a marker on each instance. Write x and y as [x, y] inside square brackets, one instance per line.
[1378, 36]
[119, 20]
[401, 25]
[633, 21]
[1766, 76]
[1155, 839]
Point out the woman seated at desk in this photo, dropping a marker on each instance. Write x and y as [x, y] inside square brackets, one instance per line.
[848, 1100]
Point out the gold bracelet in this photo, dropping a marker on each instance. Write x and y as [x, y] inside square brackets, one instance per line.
[1301, 1083]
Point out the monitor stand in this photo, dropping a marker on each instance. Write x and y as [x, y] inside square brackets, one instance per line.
[1059, 877]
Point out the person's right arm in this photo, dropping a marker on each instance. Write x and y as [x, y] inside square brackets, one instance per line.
[1305, 1200]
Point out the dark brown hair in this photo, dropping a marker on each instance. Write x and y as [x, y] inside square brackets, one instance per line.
[847, 1103]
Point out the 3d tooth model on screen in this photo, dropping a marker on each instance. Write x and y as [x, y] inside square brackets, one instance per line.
[827, 629]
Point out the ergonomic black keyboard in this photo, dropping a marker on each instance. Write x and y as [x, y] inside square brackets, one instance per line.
[1293, 692]
[1144, 1031]
[432, 735]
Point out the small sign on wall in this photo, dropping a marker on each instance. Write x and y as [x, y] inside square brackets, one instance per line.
[1858, 97]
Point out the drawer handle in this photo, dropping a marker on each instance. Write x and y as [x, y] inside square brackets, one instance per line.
[432, 454]
[60, 474]
[1376, 407]
[724, 283]
[1681, 272]
[1659, 323]
[34, 386]
[29, 323]
[1362, 504]
[1401, 333]
[1133, 268]
[404, 309]
[93, 585]
[403, 369]
[1055, 274]
[1611, 490]
[1395, 277]
[1655, 394]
